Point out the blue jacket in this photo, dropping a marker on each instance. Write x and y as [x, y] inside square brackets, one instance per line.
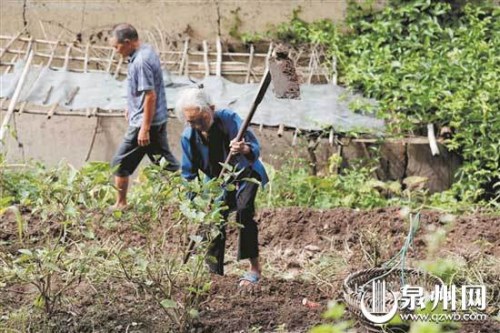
[196, 154]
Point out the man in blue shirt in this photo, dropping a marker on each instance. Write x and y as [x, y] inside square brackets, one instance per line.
[206, 142]
[147, 109]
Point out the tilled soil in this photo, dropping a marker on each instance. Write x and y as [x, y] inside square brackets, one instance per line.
[297, 227]
[291, 239]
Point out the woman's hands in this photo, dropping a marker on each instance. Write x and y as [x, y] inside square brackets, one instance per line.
[239, 147]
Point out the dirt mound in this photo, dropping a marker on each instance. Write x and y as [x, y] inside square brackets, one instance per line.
[299, 227]
[273, 303]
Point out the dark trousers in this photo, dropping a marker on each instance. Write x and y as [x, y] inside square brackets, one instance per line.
[130, 154]
[242, 201]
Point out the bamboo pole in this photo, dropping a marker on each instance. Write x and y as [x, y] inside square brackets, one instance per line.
[47, 96]
[66, 58]
[43, 29]
[33, 86]
[162, 39]
[92, 141]
[9, 44]
[7, 70]
[11, 65]
[15, 98]
[250, 60]
[186, 66]
[268, 55]
[309, 67]
[110, 61]
[53, 50]
[72, 95]
[71, 113]
[184, 55]
[205, 58]
[117, 70]
[334, 67]
[218, 70]
[86, 59]
[29, 47]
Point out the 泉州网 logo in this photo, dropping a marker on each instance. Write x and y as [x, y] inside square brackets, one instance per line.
[378, 312]
[380, 305]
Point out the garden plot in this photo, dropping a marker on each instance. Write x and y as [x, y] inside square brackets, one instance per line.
[306, 254]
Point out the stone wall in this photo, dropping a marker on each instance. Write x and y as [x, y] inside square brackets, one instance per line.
[203, 19]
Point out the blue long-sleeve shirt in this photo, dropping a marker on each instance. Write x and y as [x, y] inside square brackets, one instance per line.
[198, 154]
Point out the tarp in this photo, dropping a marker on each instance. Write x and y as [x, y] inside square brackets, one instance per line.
[320, 106]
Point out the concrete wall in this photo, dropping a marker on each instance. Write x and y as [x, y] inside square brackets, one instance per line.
[202, 19]
[70, 139]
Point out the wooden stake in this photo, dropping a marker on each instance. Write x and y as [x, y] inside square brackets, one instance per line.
[281, 129]
[294, 140]
[21, 108]
[51, 110]
[331, 137]
[432, 140]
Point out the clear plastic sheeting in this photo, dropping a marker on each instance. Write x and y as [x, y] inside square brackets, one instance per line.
[320, 106]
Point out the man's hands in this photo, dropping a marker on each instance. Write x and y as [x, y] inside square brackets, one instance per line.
[149, 111]
[239, 147]
[143, 137]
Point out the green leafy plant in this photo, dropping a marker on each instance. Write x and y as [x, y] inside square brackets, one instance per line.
[425, 62]
[51, 270]
[334, 313]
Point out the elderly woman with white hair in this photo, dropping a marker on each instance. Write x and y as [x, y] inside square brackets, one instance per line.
[206, 142]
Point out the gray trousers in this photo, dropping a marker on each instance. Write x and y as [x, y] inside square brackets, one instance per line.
[130, 154]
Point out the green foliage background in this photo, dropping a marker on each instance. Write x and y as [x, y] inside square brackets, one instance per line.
[425, 62]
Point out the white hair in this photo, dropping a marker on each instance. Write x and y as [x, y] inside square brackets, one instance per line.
[192, 97]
